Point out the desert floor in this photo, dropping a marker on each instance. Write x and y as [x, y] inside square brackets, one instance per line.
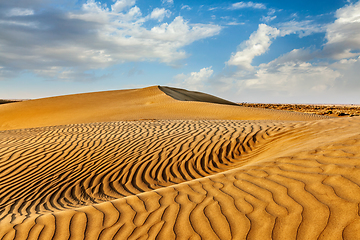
[345, 110]
[166, 163]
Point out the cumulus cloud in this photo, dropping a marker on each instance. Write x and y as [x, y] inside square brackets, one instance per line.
[159, 14]
[343, 36]
[301, 75]
[120, 5]
[240, 5]
[290, 77]
[257, 44]
[293, 80]
[93, 37]
[194, 80]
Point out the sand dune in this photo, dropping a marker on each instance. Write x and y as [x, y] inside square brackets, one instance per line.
[134, 104]
[182, 179]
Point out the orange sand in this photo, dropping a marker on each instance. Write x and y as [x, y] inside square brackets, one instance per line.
[196, 172]
[136, 104]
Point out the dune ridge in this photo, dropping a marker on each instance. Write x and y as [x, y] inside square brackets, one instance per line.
[135, 104]
[185, 95]
[176, 179]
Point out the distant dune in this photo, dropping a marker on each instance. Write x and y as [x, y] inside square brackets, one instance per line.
[200, 174]
[136, 104]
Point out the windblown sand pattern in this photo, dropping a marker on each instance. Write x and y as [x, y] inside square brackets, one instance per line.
[182, 179]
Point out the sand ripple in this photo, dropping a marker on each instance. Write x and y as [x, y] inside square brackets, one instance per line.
[179, 179]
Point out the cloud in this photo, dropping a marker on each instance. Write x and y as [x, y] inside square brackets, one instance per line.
[270, 16]
[267, 19]
[159, 14]
[120, 5]
[234, 23]
[343, 36]
[301, 75]
[257, 44]
[293, 80]
[303, 28]
[194, 80]
[170, 2]
[290, 77]
[186, 7]
[271, 11]
[304, 75]
[93, 37]
[240, 5]
[20, 12]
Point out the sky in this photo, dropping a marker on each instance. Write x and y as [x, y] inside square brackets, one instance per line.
[276, 51]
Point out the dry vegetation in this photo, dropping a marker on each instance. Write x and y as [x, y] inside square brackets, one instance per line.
[329, 110]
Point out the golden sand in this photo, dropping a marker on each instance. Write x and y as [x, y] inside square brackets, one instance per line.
[135, 104]
[201, 168]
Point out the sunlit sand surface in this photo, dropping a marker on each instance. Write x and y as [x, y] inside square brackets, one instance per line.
[135, 104]
[187, 166]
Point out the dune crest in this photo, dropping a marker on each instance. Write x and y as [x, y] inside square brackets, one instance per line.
[133, 104]
[185, 95]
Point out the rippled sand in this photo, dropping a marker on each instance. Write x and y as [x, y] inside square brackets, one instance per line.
[280, 175]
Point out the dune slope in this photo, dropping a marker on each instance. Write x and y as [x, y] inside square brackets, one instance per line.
[135, 104]
[182, 179]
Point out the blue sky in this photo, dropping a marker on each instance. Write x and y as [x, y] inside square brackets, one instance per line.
[245, 51]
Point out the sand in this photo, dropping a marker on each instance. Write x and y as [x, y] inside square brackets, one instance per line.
[244, 174]
[135, 104]
[339, 110]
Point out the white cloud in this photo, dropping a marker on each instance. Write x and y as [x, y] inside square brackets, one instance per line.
[186, 7]
[286, 80]
[250, 4]
[159, 14]
[271, 11]
[194, 80]
[270, 16]
[291, 77]
[120, 5]
[303, 28]
[343, 36]
[257, 44]
[294, 81]
[234, 23]
[295, 76]
[20, 12]
[95, 37]
[23, 24]
[296, 55]
[267, 18]
[170, 2]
